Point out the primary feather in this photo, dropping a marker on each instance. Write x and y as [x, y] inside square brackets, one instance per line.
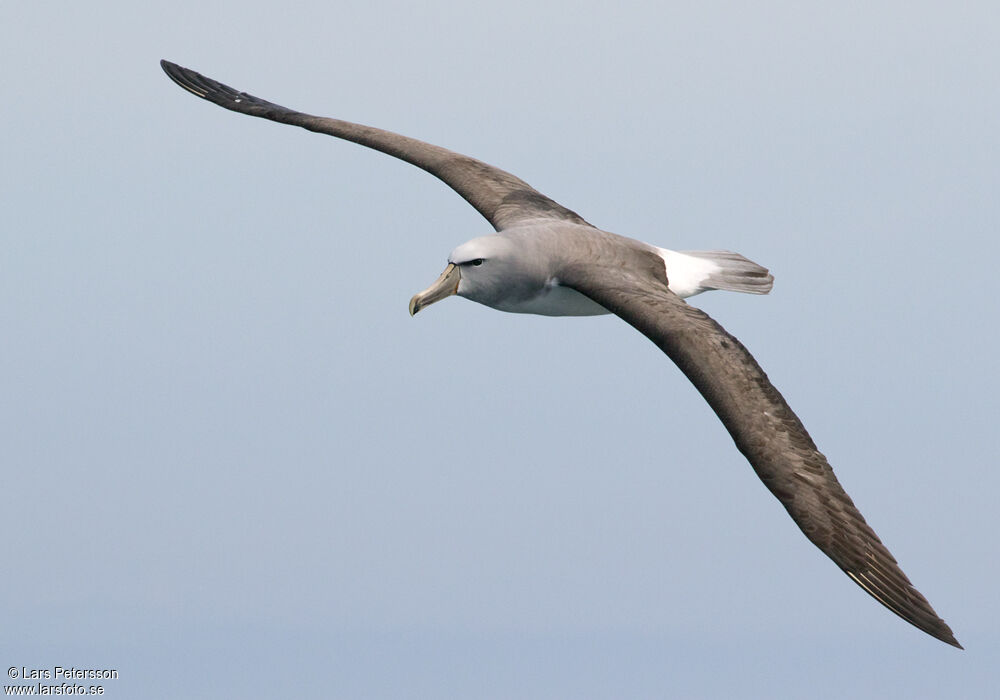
[546, 259]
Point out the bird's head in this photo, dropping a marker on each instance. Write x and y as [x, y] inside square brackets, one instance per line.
[482, 270]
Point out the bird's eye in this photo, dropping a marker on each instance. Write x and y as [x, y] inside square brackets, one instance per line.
[477, 262]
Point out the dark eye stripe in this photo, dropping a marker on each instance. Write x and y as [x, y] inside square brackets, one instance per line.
[477, 262]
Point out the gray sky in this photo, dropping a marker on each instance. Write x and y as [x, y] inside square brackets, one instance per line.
[233, 463]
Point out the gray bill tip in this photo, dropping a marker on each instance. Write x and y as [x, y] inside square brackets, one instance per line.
[414, 304]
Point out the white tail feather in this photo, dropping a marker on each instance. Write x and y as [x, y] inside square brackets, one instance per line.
[691, 272]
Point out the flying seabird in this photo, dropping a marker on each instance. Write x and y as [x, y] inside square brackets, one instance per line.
[545, 259]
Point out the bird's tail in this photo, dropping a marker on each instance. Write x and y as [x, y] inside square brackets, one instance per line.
[733, 272]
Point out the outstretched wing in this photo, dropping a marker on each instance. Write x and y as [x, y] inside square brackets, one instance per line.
[503, 199]
[761, 423]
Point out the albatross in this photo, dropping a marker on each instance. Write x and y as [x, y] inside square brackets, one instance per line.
[546, 259]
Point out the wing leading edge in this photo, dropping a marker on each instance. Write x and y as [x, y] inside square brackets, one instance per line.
[761, 423]
[766, 431]
[503, 199]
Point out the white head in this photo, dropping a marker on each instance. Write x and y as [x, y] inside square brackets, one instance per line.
[487, 270]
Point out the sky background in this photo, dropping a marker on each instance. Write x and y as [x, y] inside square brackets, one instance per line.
[233, 465]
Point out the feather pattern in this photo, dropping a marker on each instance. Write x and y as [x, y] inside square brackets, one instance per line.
[628, 278]
[503, 199]
[766, 431]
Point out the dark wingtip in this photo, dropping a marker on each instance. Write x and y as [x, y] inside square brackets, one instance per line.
[171, 69]
[174, 72]
[212, 90]
[168, 67]
[938, 629]
[188, 79]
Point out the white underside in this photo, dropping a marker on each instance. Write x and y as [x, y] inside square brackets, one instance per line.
[686, 275]
[557, 300]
